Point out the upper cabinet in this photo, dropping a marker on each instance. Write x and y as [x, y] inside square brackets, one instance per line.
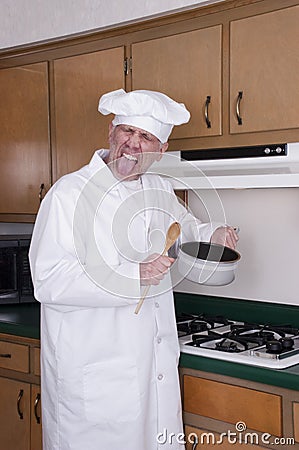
[78, 128]
[237, 74]
[264, 68]
[24, 142]
[187, 67]
[235, 66]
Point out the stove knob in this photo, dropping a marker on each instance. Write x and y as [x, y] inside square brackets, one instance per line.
[274, 347]
[287, 343]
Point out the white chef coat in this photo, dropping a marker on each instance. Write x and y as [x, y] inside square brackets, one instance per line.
[109, 377]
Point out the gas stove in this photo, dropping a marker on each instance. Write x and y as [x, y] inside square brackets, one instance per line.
[265, 345]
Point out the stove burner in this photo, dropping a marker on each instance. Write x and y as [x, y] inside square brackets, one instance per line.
[277, 347]
[189, 324]
[229, 346]
[257, 344]
[215, 341]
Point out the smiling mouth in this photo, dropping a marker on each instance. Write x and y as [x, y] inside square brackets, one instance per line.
[130, 157]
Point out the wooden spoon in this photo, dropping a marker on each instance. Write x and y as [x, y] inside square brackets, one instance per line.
[173, 233]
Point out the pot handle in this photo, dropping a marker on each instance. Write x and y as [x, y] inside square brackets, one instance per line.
[237, 229]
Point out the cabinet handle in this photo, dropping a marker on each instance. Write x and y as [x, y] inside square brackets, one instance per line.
[239, 118]
[41, 190]
[21, 393]
[208, 101]
[5, 355]
[37, 400]
[194, 443]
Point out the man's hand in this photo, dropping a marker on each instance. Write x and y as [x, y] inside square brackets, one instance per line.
[154, 268]
[225, 236]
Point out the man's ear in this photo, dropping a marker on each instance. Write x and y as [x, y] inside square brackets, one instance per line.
[162, 150]
[111, 128]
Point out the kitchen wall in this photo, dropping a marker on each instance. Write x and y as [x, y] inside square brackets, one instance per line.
[269, 242]
[23, 21]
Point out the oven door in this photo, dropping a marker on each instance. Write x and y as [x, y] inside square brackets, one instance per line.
[8, 272]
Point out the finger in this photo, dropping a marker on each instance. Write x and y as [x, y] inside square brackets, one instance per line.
[231, 238]
[162, 263]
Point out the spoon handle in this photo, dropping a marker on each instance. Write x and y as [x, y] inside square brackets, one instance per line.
[140, 303]
[145, 292]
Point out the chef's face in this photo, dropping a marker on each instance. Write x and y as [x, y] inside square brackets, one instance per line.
[132, 151]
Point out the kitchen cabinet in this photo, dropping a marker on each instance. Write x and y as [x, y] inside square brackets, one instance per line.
[187, 67]
[227, 411]
[24, 143]
[20, 413]
[228, 403]
[35, 418]
[79, 82]
[14, 415]
[296, 421]
[264, 67]
[234, 64]
[199, 439]
[237, 76]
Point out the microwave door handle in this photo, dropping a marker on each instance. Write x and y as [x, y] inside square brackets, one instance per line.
[15, 271]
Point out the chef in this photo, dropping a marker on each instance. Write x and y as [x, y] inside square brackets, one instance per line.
[109, 376]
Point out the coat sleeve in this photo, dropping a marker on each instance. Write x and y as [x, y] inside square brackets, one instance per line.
[60, 279]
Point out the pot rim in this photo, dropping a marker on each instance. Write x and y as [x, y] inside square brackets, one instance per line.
[206, 261]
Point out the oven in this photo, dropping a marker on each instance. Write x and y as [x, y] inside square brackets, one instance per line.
[219, 337]
[15, 277]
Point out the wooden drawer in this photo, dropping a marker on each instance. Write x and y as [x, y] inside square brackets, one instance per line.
[232, 404]
[36, 361]
[296, 421]
[14, 356]
[208, 440]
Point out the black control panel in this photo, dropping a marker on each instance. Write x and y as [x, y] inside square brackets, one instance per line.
[261, 151]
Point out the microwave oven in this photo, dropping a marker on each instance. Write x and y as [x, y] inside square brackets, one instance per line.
[15, 278]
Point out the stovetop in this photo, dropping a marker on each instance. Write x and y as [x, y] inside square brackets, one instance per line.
[266, 345]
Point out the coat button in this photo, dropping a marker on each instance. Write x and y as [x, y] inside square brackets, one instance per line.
[159, 340]
[157, 305]
[160, 377]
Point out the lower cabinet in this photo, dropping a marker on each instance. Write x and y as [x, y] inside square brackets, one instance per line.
[20, 409]
[296, 421]
[197, 439]
[14, 415]
[231, 413]
[35, 418]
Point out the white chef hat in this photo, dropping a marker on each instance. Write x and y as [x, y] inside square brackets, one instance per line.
[149, 110]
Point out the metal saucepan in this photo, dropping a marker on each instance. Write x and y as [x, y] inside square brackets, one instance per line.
[208, 264]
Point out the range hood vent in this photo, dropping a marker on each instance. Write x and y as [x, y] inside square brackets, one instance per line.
[262, 151]
[267, 166]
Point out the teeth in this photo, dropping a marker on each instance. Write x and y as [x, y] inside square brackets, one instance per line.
[130, 157]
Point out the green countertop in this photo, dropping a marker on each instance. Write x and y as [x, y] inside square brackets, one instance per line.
[24, 320]
[20, 319]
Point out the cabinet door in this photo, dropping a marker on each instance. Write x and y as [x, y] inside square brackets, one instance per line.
[296, 421]
[231, 404]
[36, 426]
[197, 439]
[24, 138]
[187, 67]
[14, 415]
[79, 82]
[264, 66]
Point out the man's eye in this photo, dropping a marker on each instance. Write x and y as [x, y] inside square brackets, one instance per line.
[147, 137]
[126, 130]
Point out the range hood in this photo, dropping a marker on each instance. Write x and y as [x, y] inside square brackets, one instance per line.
[271, 166]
